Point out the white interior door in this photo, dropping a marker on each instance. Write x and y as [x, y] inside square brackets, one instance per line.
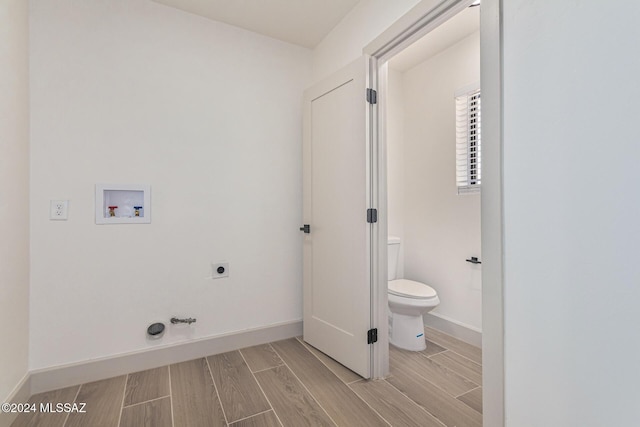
[337, 185]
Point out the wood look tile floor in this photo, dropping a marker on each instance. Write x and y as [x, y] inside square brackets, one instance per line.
[285, 383]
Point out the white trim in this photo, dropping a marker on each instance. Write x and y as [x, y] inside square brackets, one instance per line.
[380, 364]
[423, 18]
[20, 394]
[462, 331]
[373, 173]
[20, 390]
[491, 66]
[48, 379]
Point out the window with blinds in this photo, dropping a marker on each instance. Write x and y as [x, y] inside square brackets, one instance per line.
[468, 141]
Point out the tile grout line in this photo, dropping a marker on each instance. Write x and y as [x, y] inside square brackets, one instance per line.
[442, 391]
[258, 370]
[445, 369]
[454, 370]
[265, 369]
[170, 395]
[304, 386]
[74, 401]
[321, 361]
[441, 344]
[304, 344]
[442, 353]
[467, 392]
[371, 407]
[146, 401]
[466, 404]
[255, 415]
[435, 354]
[423, 378]
[260, 386]
[414, 402]
[124, 394]
[455, 352]
[206, 359]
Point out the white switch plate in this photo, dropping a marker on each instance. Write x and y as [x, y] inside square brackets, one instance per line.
[222, 266]
[59, 210]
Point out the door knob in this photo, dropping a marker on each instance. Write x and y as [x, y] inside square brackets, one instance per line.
[306, 228]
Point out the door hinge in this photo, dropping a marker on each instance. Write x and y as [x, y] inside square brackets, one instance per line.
[372, 215]
[372, 336]
[372, 96]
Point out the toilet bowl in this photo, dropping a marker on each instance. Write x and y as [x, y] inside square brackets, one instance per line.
[408, 302]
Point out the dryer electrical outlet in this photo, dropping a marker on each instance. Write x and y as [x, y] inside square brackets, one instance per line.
[219, 270]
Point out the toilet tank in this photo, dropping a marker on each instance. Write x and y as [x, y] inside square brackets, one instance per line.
[393, 252]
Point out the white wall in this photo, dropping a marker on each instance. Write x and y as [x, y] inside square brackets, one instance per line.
[362, 24]
[441, 228]
[571, 210]
[14, 194]
[131, 91]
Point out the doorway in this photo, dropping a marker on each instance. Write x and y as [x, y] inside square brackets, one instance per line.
[433, 144]
[424, 18]
[434, 171]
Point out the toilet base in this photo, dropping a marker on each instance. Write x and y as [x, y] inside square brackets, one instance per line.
[407, 332]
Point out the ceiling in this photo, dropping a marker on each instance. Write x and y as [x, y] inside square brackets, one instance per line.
[301, 22]
[447, 34]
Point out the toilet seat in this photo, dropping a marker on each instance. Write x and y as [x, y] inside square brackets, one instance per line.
[410, 289]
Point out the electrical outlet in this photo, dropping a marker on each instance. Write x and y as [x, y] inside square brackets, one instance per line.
[59, 210]
[219, 270]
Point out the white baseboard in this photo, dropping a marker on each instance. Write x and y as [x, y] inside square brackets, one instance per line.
[456, 329]
[20, 394]
[79, 373]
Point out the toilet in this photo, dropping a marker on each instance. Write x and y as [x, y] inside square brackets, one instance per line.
[408, 301]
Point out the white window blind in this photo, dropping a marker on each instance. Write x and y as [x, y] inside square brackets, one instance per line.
[468, 141]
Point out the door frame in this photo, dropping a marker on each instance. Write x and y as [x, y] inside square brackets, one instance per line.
[423, 18]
